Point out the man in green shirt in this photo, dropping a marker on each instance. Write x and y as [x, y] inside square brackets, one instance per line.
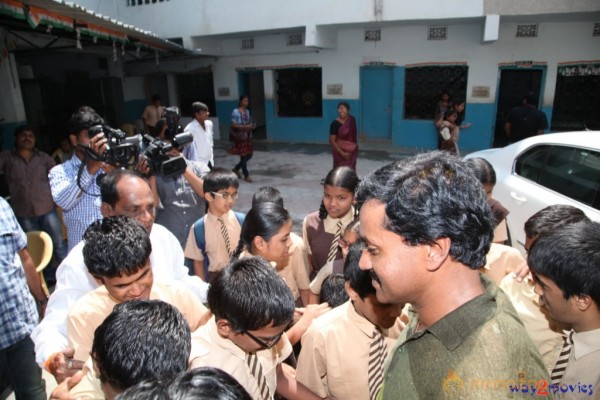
[427, 226]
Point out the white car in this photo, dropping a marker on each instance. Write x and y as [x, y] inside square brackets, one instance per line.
[558, 168]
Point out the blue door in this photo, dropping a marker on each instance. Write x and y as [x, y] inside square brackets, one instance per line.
[376, 84]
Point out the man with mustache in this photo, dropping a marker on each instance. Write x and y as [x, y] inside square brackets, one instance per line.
[123, 192]
[26, 172]
[427, 227]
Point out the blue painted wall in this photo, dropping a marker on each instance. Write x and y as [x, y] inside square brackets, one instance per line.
[279, 129]
[8, 134]
[422, 134]
[548, 111]
[224, 109]
[134, 109]
[481, 133]
[419, 134]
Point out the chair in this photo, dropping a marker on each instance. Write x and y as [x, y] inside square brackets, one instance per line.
[39, 246]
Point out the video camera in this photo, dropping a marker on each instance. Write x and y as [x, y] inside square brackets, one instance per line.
[121, 150]
[159, 161]
[156, 150]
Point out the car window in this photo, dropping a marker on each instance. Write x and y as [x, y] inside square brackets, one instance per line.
[531, 163]
[570, 171]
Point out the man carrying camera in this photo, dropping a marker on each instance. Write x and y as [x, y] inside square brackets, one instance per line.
[74, 188]
[177, 190]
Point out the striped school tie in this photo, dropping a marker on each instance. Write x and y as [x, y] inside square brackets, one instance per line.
[563, 359]
[334, 245]
[257, 372]
[377, 355]
[225, 235]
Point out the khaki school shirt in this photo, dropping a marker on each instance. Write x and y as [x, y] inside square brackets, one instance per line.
[211, 350]
[216, 249]
[582, 376]
[334, 359]
[545, 333]
[93, 308]
[293, 270]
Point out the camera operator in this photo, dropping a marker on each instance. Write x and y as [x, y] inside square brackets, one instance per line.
[75, 188]
[180, 197]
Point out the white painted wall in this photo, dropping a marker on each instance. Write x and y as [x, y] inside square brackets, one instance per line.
[187, 18]
[404, 44]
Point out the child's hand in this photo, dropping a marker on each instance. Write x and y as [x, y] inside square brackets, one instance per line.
[311, 312]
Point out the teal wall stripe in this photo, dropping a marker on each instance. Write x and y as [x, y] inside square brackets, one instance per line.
[420, 134]
[8, 134]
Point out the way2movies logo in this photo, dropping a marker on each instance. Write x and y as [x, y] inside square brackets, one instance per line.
[542, 388]
[520, 386]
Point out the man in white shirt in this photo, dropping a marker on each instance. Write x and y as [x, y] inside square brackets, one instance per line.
[126, 193]
[202, 130]
[152, 114]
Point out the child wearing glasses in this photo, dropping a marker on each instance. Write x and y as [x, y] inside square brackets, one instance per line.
[252, 308]
[212, 239]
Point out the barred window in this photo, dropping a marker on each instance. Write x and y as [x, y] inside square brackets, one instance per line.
[527, 30]
[299, 92]
[373, 35]
[423, 86]
[132, 3]
[576, 98]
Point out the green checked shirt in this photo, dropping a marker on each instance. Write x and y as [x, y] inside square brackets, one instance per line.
[479, 351]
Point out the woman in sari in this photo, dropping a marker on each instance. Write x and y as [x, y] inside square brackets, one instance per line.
[343, 138]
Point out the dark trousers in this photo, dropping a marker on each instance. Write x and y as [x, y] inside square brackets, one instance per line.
[243, 164]
[24, 375]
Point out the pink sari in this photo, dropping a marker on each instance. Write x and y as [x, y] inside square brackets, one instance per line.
[346, 133]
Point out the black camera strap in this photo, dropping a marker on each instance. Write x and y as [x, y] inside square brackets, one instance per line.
[88, 153]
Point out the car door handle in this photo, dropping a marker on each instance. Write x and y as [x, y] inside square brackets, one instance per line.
[517, 198]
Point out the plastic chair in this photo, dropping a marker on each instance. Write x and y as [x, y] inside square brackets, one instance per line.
[39, 246]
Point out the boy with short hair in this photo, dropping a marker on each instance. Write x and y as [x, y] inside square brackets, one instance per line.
[212, 239]
[294, 269]
[545, 332]
[204, 383]
[139, 340]
[343, 351]
[566, 268]
[252, 308]
[117, 254]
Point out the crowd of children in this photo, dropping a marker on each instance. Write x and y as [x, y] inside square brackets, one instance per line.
[287, 316]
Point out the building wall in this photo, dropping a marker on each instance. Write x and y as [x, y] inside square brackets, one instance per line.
[400, 45]
[223, 17]
[564, 35]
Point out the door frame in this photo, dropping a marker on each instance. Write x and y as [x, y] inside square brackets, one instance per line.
[536, 66]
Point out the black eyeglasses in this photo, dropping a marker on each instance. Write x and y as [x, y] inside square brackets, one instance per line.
[265, 343]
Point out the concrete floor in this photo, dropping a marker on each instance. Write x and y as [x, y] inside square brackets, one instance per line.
[297, 170]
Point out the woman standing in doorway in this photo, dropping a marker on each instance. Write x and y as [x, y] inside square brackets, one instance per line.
[241, 134]
[343, 138]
